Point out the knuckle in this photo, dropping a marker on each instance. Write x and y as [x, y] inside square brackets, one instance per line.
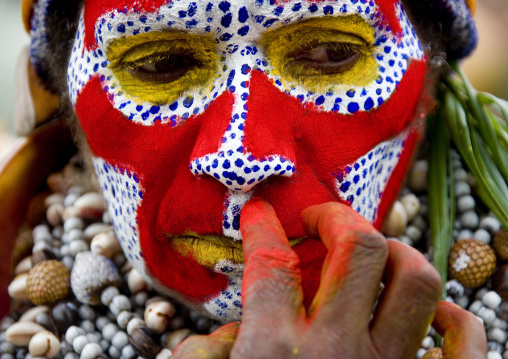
[371, 244]
[426, 280]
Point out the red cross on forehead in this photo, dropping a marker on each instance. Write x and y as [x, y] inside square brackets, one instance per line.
[96, 8]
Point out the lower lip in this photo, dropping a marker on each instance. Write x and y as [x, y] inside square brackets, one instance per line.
[209, 250]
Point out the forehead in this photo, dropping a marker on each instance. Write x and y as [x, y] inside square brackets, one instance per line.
[225, 18]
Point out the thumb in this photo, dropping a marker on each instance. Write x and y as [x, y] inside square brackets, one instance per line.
[216, 345]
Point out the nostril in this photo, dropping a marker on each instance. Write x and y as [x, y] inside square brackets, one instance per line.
[241, 172]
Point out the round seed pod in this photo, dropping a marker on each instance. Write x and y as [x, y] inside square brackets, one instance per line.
[500, 244]
[471, 262]
[48, 282]
[434, 353]
[90, 274]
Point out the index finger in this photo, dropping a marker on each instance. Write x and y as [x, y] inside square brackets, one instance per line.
[271, 283]
[463, 334]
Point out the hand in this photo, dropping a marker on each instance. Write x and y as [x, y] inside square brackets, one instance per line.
[338, 324]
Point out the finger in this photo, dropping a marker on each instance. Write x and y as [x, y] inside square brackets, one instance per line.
[271, 284]
[353, 267]
[463, 334]
[407, 304]
[214, 346]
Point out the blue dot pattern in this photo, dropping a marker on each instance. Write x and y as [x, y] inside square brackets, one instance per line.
[123, 195]
[237, 27]
[362, 183]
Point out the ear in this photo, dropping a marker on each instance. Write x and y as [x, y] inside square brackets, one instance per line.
[35, 103]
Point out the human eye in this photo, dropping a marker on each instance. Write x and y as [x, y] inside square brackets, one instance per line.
[322, 53]
[328, 58]
[163, 68]
[159, 67]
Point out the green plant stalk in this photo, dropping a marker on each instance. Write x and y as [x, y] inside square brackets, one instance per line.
[483, 122]
[462, 134]
[440, 210]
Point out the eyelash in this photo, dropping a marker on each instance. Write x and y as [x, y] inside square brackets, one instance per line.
[326, 58]
[163, 68]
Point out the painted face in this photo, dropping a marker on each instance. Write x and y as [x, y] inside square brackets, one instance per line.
[191, 108]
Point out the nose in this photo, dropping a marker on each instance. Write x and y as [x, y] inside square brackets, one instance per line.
[237, 165]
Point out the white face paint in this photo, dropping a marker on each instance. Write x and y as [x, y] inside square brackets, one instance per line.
[248, 129]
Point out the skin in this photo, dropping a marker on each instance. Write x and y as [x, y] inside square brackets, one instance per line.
[338, 324]
[340, 126]
[338, 321]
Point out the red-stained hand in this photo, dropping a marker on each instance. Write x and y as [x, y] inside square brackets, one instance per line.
[338, 324]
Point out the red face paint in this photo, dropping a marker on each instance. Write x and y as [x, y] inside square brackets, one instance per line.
[318, 146]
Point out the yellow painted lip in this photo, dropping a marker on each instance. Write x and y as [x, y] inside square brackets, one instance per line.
[208, 250]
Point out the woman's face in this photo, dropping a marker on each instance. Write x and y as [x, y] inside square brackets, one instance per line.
[191, 108]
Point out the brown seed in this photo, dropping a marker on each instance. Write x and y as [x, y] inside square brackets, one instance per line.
[145, 342]
[471, 262]
[48, 282]
[63, 315]
[500, 281]
[41, 256]
[434, 353]
[500, 244]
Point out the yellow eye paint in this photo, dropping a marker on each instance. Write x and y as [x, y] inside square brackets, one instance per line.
[349, 33]
[128, 54]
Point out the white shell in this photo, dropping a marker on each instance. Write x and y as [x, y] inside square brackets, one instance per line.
[417, 180]
[395, 221]
[176, 337]
[135, 282]
[411, 204]
[95, 228]
[497, 335]
[491, 299]
[133, 324]
[32, 313]
[73, 223]
[54, 198]
[54, 214]
[91, 202]
[157, 315]
[23, 266]
[20, 333]
[91, 351]
[164, 354]
[17, 288]
[487, 314]
[105, 244]
[428, 343]
[69, 212]
[44, 344]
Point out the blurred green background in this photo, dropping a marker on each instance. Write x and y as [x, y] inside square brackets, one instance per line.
[487, 68]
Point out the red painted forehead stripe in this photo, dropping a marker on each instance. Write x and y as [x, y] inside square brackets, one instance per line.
[94, 9]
